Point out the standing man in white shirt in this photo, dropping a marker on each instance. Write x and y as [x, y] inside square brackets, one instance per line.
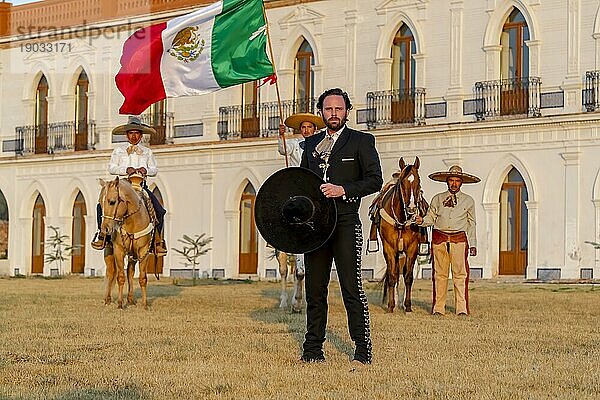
[130, 159]
[304, 123]
[452, 214]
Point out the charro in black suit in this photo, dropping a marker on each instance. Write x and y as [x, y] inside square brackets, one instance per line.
[354, 164]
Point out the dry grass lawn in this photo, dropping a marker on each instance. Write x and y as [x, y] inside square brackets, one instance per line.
[224, 340]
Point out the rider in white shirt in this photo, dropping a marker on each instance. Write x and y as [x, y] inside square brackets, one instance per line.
[134, 158]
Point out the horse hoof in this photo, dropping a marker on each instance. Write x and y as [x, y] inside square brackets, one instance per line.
[408, 309]
[120, 306]
[296, 310]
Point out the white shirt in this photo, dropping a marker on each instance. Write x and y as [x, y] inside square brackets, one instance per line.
[142, 157]
[293, 149]
[460, 218]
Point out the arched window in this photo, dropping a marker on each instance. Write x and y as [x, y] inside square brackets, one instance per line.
[403, 76]
[513, 225]
[250, 100]
[38, 236]
[41, 116]
[305, 78]
[403, 64]
[3, 227]
[514, 56]
[78, 235]
[81, 112]
[248, 232]
[514, 65]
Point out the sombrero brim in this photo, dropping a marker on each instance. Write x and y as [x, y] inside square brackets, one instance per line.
[123, 129]
[443, 176]
[294, 121]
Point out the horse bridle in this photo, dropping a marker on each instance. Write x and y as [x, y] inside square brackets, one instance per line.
[125, 216]
[398, 189]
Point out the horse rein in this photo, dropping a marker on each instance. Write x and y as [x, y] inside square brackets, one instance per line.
[125, 216]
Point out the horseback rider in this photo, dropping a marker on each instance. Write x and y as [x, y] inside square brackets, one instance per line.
[135, 160]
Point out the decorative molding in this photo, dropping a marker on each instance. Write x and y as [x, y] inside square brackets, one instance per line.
[391, 5]
[302, 15]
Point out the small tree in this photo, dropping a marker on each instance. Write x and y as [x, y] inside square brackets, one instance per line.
[59, 248]
[192, 249]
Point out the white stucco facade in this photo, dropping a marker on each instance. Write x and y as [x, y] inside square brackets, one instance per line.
[201, 178]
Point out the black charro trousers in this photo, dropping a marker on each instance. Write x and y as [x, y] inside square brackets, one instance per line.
[345, 247]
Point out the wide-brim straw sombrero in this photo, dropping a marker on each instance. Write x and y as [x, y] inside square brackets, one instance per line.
[294, 121]
[134, 124]
[454, 172]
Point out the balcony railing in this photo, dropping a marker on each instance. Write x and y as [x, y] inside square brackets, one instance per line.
[162, 124]
[393, 107]
[56, 137]
[591, 93]
[516, 96]
[258, 120]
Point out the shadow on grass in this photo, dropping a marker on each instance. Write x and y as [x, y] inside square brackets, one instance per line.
[122, 393]
[375, 296]
[296, 322]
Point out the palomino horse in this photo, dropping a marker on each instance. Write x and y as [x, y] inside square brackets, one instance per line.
[400, 204]
[297, 272]
[126, 219]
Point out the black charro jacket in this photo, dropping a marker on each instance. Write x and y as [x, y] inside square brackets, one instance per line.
[353, 164]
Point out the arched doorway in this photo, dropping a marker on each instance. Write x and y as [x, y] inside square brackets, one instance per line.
[3, 227]
[157, 266]
[248, 233]
[38, 236]
[513, 225]
[78, 235]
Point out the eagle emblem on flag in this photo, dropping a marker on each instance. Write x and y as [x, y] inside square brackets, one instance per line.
[186, 45]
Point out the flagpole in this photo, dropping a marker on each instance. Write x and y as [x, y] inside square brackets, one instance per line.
[276, 84]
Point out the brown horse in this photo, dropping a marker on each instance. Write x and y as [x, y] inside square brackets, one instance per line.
[401, 201]
[126, 219]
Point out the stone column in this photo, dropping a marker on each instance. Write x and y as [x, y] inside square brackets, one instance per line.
[571, 210]
[532, 240]
[207, 216]
[572, 85]
[384, 73]
[596, 203]
[491, 238]
[231, 238]
[350, 40]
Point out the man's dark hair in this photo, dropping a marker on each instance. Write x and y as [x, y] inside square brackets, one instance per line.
[334, 92]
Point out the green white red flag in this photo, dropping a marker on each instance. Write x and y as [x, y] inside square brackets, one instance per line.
[218, 46]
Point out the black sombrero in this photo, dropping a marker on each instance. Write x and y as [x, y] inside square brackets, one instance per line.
[291, 212]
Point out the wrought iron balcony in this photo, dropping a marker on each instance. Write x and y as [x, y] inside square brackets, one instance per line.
[591, 93]
[258, 120]
[516, 96]
[393, 107]
[162, 124]
[55, 137]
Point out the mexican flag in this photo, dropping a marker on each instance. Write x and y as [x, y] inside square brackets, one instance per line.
[215, 47]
